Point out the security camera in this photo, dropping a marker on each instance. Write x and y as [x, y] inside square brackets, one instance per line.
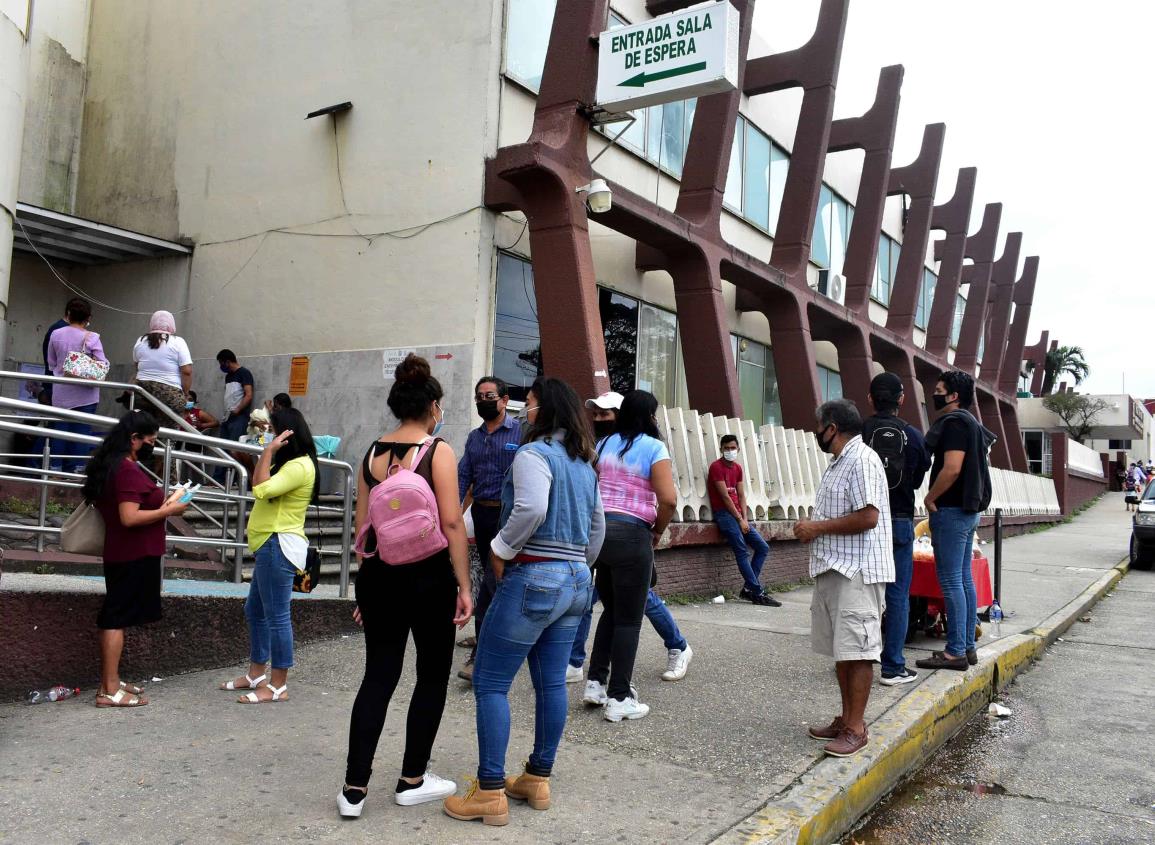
[599, 197]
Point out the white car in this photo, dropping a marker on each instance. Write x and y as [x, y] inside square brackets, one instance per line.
[1143, 530]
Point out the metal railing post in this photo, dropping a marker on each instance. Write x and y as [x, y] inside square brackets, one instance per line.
[999, 556]
[346, 541]
[238, 573]
[45, 460]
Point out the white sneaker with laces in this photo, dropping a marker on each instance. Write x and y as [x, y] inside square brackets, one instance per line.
[677, 663]
[595, 694]
[433, 788]
[631, 708]
[573, 674]
[347, 808]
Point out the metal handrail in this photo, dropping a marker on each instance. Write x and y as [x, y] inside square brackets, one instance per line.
[241, 498]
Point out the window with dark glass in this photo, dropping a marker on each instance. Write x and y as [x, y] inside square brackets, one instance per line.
[527, 30]
[516, 341]
[620, 325]
[829, 383]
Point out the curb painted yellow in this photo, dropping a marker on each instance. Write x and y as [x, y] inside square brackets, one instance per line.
[834, 793]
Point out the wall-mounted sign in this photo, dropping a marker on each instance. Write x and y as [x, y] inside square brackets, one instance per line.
[672, 57]
[390, 358]
[299, 375]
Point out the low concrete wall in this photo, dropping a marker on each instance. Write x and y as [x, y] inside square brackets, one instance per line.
[1073, 487]
[50, 637]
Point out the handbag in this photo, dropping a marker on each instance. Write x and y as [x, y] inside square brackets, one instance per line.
[306, 579]
[83, 532]
[82, 365]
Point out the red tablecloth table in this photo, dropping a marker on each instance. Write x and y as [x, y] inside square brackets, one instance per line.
[924, 582]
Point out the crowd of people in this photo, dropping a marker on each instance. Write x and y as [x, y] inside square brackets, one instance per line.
[568, 502]
[1135, 481]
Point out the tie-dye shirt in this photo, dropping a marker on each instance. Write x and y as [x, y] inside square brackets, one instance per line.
[625, 479]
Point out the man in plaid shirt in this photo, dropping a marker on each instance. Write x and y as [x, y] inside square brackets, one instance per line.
[851, 562]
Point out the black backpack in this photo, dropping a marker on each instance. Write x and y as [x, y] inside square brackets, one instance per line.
[888, 439]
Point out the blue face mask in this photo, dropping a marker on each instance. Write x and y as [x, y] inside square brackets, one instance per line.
[188, 406]
[437, 425]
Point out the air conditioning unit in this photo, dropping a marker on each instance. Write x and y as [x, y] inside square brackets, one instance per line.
[832, 285]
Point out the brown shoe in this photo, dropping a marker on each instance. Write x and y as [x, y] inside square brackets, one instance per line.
[466, 671]
[940, 660]
[533, 789]
[847, 744]
[489, 805]
[829, 732]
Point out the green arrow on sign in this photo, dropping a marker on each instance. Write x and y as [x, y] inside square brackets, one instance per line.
[643, 78]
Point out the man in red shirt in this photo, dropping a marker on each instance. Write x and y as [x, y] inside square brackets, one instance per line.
[728, 501]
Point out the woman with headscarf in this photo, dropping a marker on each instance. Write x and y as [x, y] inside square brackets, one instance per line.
[163, 363]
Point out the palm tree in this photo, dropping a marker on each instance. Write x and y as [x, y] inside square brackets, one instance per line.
[1064, 360]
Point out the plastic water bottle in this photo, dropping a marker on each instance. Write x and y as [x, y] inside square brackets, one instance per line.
[56, 693]
[996, 615]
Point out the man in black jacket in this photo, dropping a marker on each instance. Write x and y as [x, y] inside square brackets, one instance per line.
[960, 490]
[904, 455]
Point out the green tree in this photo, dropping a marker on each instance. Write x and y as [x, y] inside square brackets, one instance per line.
[1078, 412]
[1064, 360]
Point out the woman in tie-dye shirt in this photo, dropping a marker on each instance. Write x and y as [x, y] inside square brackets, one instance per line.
[637, 489]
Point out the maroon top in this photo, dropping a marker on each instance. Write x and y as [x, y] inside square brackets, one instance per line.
[731, 473]
[129, 483]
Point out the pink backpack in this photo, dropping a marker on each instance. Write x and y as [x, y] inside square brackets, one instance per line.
[403, 517]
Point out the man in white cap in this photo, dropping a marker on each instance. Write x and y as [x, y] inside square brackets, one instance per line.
[678, 652]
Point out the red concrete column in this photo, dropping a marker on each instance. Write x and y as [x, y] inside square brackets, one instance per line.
[1024, 297]
[794, 361]
[992, 419]
[703, 327]
[953, 217]
[1015, 447]
[981, 249]
[1059, 470]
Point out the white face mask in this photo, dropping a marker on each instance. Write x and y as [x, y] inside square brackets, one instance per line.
[730, 454]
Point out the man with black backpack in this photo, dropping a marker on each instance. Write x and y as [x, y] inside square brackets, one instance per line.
[960, 490]
[906, 460]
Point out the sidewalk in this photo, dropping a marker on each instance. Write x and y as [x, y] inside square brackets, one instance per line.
[724, 753]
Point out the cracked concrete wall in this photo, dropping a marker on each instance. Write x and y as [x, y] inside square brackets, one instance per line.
[13, 96]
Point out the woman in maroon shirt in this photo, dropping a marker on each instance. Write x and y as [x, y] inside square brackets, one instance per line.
[134, 510]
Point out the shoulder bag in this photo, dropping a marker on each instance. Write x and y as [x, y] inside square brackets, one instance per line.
[83, 532]
[82, 365]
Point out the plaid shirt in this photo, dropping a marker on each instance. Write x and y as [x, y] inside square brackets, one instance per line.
[852, 481]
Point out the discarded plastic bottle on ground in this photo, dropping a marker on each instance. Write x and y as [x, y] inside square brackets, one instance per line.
[56, 693]
[996, 615]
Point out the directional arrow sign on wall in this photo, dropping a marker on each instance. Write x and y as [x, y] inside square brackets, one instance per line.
[672, 57]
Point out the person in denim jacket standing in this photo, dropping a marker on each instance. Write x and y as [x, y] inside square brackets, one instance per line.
[552, 528]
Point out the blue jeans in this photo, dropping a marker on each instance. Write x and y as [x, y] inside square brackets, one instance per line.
[732, 531]
[63, 450]
[267, 607]
[952, 533]
[898, 598]
[656, 611]
[533, 616]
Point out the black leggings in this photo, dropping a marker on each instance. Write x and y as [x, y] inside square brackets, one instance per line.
[395, 600]
[622, 576]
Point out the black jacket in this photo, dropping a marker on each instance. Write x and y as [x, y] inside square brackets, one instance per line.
[976, 470]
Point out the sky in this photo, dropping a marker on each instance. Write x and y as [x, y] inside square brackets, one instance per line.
[1017, 84]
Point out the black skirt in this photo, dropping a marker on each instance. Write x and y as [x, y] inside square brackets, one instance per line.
[132, 594]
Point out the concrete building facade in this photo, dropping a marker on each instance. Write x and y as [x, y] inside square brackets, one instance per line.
[759, 256]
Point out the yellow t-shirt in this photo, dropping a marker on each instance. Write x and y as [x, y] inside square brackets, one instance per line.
[282, 502]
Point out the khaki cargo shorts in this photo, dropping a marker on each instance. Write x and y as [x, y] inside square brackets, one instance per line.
[846, 617]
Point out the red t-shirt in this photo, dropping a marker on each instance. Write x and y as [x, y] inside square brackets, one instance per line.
[130, 483]
[731, 473]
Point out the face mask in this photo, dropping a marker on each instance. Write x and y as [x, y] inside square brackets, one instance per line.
[603, 428]
[730, 454]
[487, 409]
[225, 368]
[826, 445]
[188, 406]
[437, 425]
[939, 401]
[144, 452]
[523, 414]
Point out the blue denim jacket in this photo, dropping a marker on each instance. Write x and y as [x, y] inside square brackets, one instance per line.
[550, 505]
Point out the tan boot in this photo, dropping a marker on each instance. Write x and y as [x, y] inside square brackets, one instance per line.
[489, 805]
[533, 789]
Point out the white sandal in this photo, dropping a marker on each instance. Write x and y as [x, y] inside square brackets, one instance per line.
[253, 683]
[251, 698]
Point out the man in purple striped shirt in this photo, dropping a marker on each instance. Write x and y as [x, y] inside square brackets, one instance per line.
[489, 452]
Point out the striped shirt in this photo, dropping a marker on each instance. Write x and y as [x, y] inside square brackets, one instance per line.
[854, 480]
[487, 458]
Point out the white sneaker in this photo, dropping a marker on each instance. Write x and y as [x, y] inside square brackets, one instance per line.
[631, 708]
[348, 809]
[573, 674]
[677, 663]
[433, 788]
[595, 694]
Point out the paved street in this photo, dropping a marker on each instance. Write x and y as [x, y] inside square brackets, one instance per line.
[1074, 764]
[194, 767]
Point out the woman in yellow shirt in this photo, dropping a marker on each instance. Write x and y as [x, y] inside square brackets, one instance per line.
[284, 485]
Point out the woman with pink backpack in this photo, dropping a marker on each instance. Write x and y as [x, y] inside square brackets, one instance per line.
[413, 578]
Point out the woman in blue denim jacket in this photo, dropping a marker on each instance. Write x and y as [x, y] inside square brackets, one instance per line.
[552, 529]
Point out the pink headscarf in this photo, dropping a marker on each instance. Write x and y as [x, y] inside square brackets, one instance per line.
[162, 321]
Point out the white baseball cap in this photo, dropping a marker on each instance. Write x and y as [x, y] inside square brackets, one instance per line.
[607, 402]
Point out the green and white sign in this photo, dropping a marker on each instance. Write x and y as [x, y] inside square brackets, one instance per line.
[672, 57]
